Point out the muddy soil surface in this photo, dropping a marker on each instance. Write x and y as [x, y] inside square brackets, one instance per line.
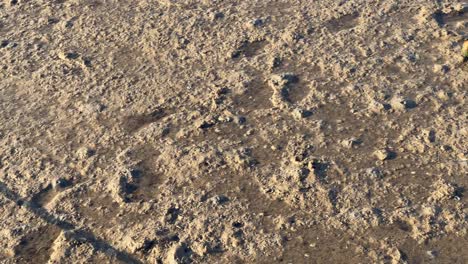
[261, 131]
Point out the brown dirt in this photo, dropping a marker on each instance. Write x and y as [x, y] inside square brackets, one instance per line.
[263, 131]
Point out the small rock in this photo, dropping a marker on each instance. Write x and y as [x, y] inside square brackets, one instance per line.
[300, 113]
[382, 154]
[350, 143]
[84, 153]
[441, 68]
[431, 254]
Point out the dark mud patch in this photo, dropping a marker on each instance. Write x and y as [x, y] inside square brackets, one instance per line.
[298, 91]
[249, 49]
[450, 21]
[450, 18]
[257, 97]
[36, 246]
[343, 23]
[44, 196]
[146, 184]
[132, 124]
[145, 176]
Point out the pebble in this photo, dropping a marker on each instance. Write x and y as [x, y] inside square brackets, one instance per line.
[382, 154]
[441, 68]
[84, 153]
[350, 143]
[301, 113]
[431, 253]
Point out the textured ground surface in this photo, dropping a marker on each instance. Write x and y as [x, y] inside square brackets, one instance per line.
[211, 131]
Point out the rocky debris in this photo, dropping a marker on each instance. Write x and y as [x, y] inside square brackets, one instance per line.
[441, 68]
[85, 153]
[301, 113]
[429, 136]
[444, 190]
[383, 154]
[351, 142]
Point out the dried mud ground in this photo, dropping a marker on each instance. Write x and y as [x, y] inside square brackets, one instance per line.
[183, 131]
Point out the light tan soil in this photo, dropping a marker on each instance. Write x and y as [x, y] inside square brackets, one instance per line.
[211, 131]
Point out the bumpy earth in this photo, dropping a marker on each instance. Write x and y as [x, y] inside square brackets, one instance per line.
[228, 131]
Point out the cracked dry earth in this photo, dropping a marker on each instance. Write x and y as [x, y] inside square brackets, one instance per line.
[210, 131]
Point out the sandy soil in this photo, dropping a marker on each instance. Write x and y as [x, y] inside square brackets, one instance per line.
[228, 131]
